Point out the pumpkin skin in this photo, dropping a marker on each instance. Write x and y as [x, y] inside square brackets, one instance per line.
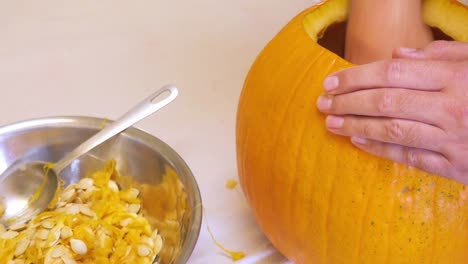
[318, 198]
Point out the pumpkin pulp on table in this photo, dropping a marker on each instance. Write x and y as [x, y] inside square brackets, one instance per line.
[318, 198]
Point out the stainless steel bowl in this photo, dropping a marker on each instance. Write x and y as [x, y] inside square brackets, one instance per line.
[137, 153]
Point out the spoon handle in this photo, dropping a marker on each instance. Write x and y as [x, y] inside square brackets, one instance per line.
[147, 107]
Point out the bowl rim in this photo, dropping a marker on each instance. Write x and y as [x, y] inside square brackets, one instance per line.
[135, 133]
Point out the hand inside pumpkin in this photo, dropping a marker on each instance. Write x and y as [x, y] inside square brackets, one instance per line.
[412, 108]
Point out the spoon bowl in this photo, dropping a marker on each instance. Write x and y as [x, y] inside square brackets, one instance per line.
[25, 191]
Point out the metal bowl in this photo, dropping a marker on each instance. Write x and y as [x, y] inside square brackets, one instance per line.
[138, 154]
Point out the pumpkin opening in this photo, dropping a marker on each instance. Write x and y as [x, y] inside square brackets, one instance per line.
[327, 23]
[334, 37]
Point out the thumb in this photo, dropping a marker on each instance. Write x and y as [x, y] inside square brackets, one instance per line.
[437, 50]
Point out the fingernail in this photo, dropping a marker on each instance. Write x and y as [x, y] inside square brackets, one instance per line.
[334, 121]
[330, 83]
[359, 140]
[324, 103]
[408, 50]
[412, 53]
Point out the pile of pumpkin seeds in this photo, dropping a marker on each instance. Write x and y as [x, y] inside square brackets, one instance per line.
[93, 221]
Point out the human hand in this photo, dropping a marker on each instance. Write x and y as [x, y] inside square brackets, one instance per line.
[412, 109]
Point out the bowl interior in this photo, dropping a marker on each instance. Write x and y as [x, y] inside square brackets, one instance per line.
[142, 159]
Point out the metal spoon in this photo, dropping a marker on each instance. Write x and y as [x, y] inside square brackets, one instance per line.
[25, 192]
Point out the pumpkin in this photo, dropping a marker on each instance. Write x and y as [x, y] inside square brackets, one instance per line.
[318, 198]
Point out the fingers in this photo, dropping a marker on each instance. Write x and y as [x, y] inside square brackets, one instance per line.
[426, 160]
[399, 73]
[437, 50]
[402, 132]
[386, 102]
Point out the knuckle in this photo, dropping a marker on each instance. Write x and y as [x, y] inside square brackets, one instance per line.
[412, 158]
[397, 132]
[393, 71]
[366, 130]
[428, 162]
[386, 102]
[394, 131]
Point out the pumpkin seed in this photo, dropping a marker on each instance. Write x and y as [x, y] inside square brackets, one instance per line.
[17, 261]
[72, 209]
[54, 236]
[85, 183]
[133, 192]
[134, 208]
[85, 210]
[18, 227]
[78, 200]
[21, 247]
[41, 244]
[42, 234]
[143, 250]
[9, 234]
[78, 246]
[68, 260]
[113, 186]
[127, 251]
[158, 243]
[148, 241]
[125, 222]
[68, 195]
[85, 195]
[48, 259]
[48, 224]
[59, 252]
[61, 204]
[66, 232]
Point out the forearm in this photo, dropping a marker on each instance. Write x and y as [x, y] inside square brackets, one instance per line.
[375, 28]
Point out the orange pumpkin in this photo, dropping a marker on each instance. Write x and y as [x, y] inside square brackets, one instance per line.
[318, 198]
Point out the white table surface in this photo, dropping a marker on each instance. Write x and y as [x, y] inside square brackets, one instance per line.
[97, 58]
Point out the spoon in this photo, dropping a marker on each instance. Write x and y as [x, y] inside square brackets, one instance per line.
[27, 188]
